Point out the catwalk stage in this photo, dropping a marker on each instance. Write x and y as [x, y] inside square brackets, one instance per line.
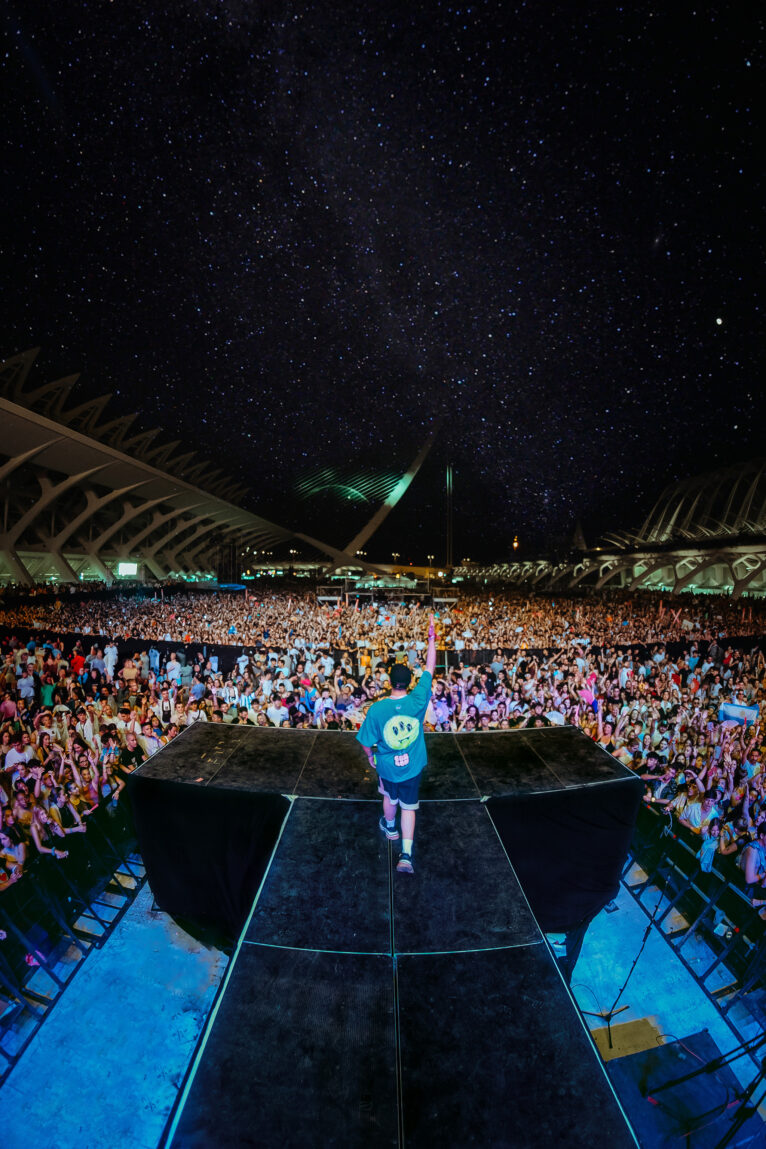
[367, 1007]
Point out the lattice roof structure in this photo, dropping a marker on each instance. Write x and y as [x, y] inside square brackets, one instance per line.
[80, 494]
[725, 504]
[345, 483]
[706, 533]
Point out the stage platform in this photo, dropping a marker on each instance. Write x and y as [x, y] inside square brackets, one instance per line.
[331, 764]
[367, 1007]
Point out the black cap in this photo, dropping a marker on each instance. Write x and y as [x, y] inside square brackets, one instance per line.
[401, 676]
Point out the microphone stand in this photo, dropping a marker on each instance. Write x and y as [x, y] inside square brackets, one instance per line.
[608, 1015]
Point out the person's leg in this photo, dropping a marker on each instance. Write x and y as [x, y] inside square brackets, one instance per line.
[408, 830]
[407, 794]
[388, 822]
[389, 810]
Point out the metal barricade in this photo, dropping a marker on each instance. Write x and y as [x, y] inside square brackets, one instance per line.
[61, 907]
[710, 907]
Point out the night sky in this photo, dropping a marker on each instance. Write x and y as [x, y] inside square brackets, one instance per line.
[296, 238]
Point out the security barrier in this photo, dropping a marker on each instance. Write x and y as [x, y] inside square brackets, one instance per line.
[61, 907]
[709, 907]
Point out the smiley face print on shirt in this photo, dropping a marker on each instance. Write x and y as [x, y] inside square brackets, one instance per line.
[399, 733]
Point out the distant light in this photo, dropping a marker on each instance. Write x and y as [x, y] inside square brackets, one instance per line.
[127, 570]
[719, 321]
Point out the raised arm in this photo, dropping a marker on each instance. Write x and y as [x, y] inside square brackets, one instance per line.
[75, 771]
[37, 771]
[728, 783]
[431, 652]
[751, 743]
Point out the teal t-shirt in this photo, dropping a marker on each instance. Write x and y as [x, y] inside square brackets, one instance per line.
[46, 693]
[395, 726]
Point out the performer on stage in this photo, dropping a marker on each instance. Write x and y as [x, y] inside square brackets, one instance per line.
[392, 737]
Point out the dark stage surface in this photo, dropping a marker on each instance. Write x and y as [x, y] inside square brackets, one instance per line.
[367, 1007]
[330, 764]
[563, 807]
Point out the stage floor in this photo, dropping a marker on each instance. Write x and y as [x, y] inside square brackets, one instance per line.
[368, 1007]
[330, 764]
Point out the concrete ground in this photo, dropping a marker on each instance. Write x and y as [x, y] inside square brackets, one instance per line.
[106, 1065]
[660, 988]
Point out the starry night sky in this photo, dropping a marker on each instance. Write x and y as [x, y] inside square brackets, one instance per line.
[296, 238]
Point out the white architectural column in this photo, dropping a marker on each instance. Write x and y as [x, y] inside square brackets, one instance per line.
[14, 563]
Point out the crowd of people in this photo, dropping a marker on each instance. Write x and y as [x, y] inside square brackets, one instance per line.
[373, 620]
[77, 717]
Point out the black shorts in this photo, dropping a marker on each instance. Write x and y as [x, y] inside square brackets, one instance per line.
[404, 794]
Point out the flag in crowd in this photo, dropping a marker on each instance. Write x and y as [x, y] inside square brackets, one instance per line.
[730, 712]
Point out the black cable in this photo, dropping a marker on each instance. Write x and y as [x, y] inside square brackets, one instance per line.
[592, 992]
